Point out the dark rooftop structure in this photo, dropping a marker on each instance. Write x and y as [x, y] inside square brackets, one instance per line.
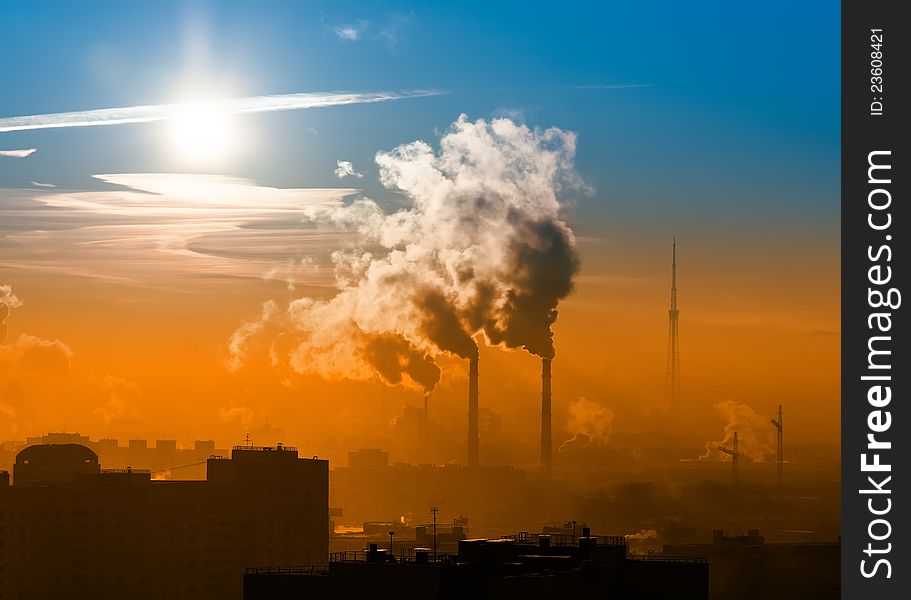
[53, 463]
[532, 566]
[747, 567]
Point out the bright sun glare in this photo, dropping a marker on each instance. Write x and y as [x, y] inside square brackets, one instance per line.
[201, 133]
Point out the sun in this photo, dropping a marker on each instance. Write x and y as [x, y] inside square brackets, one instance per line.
[200, 133]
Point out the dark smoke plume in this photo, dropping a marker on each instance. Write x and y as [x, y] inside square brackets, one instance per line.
[393, 357]
[481, 254]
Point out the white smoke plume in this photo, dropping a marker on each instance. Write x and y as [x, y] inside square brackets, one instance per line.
[237, 414]
[481, 254]
[643, 542]
[644, 534]
[755, 434]
[165, 475]
[344, 168]
[8, 301]
[120, 398]
[590, 423]
[291, 270]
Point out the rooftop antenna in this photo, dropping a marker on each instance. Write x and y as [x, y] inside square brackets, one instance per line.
[734, 452]
[434, 510]
[779, 449]
[248, 441]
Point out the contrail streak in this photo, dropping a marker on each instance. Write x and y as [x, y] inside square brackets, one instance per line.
[18, 153]
[163, 112]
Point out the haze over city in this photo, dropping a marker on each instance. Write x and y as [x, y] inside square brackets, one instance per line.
[504, 297]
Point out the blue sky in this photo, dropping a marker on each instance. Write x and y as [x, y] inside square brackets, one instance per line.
[741, 103]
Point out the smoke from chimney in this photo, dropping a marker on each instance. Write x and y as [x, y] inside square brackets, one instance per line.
[755, 439]
[393, 358]
[7, 301]
[590, 424]
[482, 254]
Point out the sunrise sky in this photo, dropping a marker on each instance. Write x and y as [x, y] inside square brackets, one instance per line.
[267, 138]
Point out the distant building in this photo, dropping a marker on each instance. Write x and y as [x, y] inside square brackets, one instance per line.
[165, 460]
[69, 529]
[370, 488]
[368, 458]
[522, 566]
[745, 566]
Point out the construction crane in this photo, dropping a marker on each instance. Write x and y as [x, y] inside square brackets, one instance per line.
[734, 452]
[779, 450]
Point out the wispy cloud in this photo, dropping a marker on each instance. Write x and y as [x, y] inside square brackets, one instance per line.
[164, 112]
[352, 33]
[610, 86]
[391, 33]
[42, 184]
[387, 31]
[344, 168]
[173, 231]
[514, 114]
[18, 153]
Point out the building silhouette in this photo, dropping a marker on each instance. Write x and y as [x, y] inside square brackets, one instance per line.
[162, 457]
[746, 566]
[527, 566]
[47, 464]
[370, 488]
[70, 529]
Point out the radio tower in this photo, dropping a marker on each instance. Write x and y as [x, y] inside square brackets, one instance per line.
[673, 349]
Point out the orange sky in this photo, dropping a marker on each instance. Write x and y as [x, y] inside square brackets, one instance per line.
[758, 325]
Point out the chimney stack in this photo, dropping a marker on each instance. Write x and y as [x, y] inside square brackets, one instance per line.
[473, 439]
[546, 442]
[425, 417]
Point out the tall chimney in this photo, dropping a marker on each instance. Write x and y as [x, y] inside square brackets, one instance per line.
[425, 418]
[546, 442]
[473, 440]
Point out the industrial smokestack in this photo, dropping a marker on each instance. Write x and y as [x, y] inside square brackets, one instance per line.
[546, 442]
[425, 418]
[473, 439]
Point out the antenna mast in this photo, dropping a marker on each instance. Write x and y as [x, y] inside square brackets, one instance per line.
[434, 510]
[673, 349]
